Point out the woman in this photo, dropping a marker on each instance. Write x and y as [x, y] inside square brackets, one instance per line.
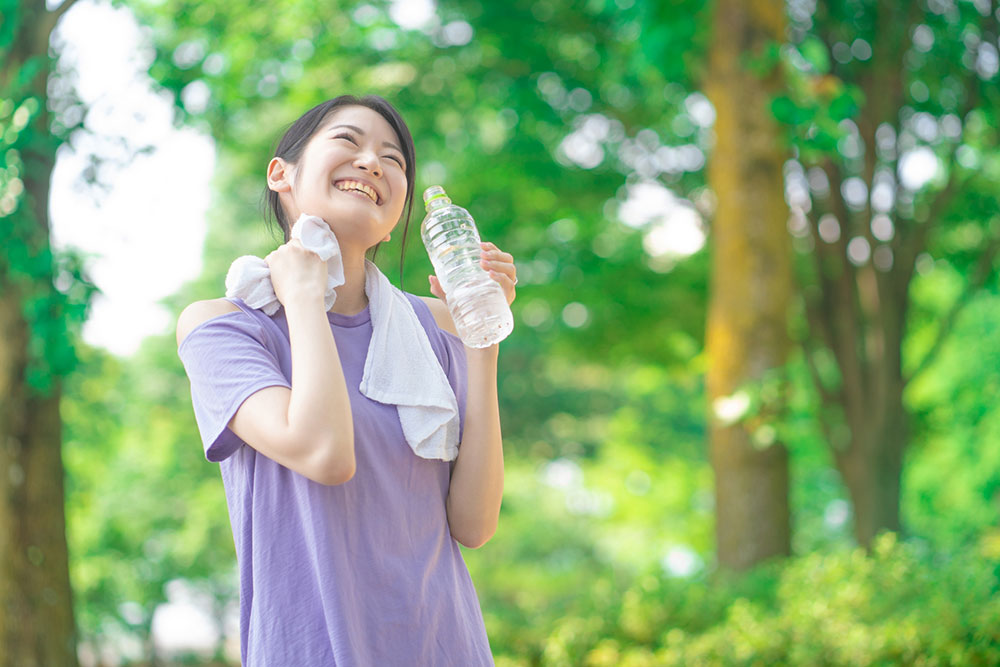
[347, 541]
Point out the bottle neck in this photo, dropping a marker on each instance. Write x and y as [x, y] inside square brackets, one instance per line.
[436, 203]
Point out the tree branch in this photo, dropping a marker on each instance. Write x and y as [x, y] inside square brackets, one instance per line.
[903, 270]
[851, 352]
[52, 18]
[916, 242]
[820, 319]
[984, 267]
[825, 395]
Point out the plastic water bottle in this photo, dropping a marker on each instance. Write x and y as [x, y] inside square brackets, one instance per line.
[476, 301]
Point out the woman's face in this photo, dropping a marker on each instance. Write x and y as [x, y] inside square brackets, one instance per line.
[351, 174]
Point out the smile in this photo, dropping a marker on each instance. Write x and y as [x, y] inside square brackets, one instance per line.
[357, 186]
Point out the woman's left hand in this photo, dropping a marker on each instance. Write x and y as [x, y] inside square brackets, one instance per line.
[497, 263]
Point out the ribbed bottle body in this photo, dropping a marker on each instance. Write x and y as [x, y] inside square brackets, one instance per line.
[476, 302]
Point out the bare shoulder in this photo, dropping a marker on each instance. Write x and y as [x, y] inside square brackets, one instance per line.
[439, 309]
[199, 312]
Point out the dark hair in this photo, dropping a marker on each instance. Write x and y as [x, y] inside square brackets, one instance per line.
[294, 141]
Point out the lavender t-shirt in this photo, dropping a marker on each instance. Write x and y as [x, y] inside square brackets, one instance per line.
[363, 573]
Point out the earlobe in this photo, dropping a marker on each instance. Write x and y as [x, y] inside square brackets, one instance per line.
[279, 175]
[387, 237]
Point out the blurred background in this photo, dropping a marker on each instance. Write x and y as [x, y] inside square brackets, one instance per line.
[749, 404]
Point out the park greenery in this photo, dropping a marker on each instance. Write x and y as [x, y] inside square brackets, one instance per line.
[556, 123]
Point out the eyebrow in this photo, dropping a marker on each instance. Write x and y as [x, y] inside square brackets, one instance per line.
[361, 132]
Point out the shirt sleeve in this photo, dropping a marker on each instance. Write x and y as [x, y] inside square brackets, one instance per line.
[227, 360]
[457, 369]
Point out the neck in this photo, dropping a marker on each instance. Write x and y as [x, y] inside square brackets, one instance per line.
[351, 297]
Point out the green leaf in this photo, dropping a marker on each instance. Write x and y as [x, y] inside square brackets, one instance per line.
[786, 111]
[843, 106]
[815, 53]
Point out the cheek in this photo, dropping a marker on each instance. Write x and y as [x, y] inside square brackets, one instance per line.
[399, 186]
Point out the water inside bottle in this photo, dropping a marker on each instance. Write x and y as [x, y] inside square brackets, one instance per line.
[477, 303]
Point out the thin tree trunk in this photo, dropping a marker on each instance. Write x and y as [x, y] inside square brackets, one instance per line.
[869, 457]
[872, 469]
[751, 283]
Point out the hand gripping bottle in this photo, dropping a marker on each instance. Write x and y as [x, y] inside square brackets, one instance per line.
[476, 301]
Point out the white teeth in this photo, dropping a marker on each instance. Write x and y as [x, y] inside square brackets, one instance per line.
[360, 187]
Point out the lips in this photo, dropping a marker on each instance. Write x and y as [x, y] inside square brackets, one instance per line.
[361, 186]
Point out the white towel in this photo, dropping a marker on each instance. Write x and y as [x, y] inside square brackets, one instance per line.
[401, 369]
[250, 279]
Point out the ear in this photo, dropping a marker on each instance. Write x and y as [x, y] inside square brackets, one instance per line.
[279, 175]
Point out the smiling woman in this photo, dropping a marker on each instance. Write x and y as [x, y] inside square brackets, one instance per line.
[348, 503]
[313, 153]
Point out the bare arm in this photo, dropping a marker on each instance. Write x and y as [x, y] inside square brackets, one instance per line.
[476, 489]
[307, 428]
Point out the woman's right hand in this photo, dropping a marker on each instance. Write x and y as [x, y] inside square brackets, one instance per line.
[297, 274]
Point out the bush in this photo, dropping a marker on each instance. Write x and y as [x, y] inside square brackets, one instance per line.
[895, 605]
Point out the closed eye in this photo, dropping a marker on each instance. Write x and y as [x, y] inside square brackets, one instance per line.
[397, 160]
[346, 136]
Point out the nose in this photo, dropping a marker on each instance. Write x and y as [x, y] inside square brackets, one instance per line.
[369, 162]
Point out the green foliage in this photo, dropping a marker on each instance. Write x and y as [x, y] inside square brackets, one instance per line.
[814, 105]
[953, 481]
[52, 289]
[143, 506]
[896, 605]
[488, 121]
[815, 53]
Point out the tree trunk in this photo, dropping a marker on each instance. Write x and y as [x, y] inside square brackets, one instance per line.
[751, 284]
[36, 623]
[872, 468]
[867, 347]
[36, 610]
[857, 308]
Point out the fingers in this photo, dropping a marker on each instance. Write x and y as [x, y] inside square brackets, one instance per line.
[497, 261]
[290, 246]
[506, 281]
[491, 252]
[294, 256]
[436, 289]
[500, 266]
